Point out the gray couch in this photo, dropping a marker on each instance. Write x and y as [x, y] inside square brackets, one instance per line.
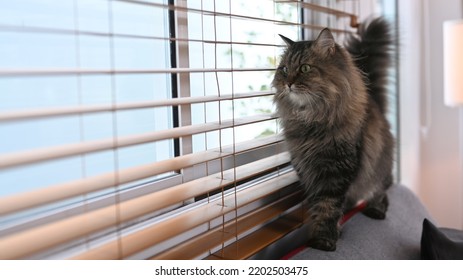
[396, 237]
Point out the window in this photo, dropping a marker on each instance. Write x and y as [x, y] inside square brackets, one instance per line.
[145, 129]
[40, 36]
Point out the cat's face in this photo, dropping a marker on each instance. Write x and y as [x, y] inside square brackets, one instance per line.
[310, 72]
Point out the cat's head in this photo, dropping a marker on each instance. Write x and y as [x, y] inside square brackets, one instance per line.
[313, 73]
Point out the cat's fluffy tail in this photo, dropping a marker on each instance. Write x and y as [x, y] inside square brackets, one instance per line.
[371, 50]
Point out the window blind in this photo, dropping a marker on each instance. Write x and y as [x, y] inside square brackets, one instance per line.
[134, 80]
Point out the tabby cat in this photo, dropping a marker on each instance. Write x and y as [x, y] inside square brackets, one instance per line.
[332, 103]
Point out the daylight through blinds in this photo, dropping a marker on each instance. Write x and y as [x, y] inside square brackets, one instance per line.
[146, 129]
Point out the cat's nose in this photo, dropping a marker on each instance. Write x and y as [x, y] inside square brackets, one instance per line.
[289, 85]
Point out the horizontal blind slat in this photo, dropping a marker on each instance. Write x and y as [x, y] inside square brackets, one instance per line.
[77, 71]
[339, 13]
[73, 110]
[136, 242]
[43, 154]
[221, 234]
[80, 187]
[208, 12]
[318, 8]
[74, 32]
[53, 234]
[74, 188]
[230, 15]
[249, 245]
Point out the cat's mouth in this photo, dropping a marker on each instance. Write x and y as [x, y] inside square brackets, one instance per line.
[295, 90]
[291, 89]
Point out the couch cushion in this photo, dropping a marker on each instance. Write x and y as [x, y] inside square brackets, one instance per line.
[396, 237]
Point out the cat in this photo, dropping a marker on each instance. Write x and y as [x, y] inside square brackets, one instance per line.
[332, 103]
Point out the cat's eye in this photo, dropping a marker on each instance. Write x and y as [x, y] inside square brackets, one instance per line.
[305, 68]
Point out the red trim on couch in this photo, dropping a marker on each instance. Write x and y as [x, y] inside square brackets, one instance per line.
[343, 220]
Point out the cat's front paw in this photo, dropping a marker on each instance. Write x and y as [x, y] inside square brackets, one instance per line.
[321, 243]
[324, 234]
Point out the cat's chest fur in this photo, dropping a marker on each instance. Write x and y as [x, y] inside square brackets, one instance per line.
[305, 125]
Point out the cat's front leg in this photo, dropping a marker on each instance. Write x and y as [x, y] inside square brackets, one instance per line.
[323, 221]
[377, 206]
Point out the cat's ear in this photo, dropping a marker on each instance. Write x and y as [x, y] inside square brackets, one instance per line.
[288, 41]
[325, 41]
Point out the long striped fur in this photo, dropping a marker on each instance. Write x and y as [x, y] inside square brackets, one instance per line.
[331, 102]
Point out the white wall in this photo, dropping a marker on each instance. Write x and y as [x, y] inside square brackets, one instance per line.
[430, 132]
